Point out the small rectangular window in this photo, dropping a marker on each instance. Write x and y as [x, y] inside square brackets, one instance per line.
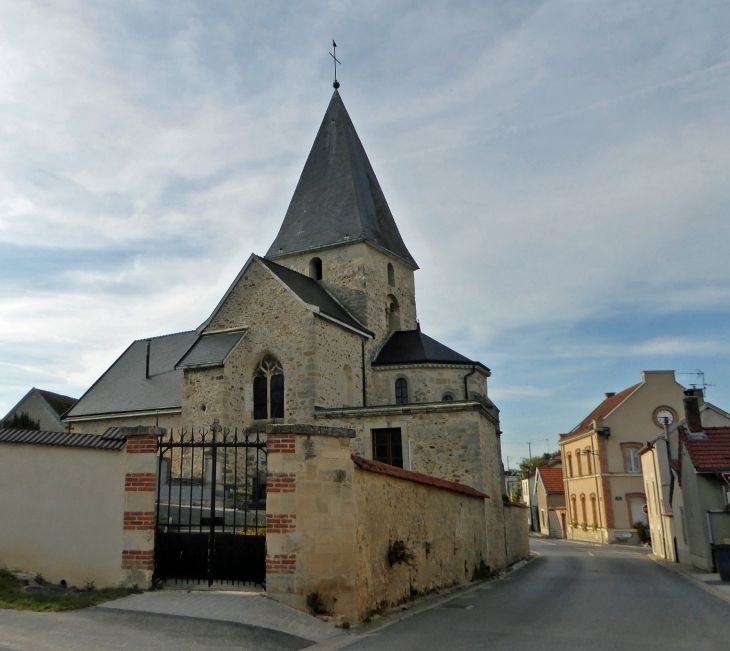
[387, 446]
[633, 462]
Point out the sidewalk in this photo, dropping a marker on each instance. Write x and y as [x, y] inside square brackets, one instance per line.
[249, 608]
[708, 582]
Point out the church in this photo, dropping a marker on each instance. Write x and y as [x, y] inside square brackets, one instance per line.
[323, 331]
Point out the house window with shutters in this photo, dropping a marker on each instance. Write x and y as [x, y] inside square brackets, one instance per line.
[388, 446]
[268, 389]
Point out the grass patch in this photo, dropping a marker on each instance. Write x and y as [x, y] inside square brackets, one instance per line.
[38, 595]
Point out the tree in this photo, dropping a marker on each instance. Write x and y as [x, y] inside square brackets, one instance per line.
[536, 462]
[21, 421]
[517, 493]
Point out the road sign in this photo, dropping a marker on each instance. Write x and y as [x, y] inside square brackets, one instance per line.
[726, 476]
[645, 509]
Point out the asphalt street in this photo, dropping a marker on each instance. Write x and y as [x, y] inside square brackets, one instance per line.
[96, 629]
[572, 597]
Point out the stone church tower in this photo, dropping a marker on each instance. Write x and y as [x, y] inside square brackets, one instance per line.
[339, 230]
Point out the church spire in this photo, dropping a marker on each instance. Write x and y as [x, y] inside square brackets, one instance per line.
[338, 199]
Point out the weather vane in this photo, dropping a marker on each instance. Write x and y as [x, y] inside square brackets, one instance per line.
[334, 56]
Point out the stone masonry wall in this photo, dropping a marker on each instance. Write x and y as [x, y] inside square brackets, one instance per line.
[445, 440]
[426, 383]
[330, 525]
[310, 517]
[444, 530]
[358, 276]
[518, 540]
[337, 350]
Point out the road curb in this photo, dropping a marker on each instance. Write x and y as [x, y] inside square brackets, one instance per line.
[398, 614]
[687, 575]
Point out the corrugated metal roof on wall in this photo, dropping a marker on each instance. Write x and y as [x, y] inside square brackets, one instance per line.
[62, 439]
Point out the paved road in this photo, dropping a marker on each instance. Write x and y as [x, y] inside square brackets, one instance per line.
[96, 629]
[573, 597]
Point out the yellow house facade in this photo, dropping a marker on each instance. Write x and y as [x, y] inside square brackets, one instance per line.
[604, 487]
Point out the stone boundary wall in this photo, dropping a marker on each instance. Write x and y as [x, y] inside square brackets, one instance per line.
[441, 528]
[332, 518]
[80, 514]
[516, 532]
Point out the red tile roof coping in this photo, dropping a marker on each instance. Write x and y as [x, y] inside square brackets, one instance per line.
[603, 410]
[712, 453]
[417, 477]
[552, 478]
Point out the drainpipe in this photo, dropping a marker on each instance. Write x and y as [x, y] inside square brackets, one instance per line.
[466, 384]
[598, 494]
[364, 390]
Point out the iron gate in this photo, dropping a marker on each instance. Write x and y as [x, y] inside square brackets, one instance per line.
[211, 507]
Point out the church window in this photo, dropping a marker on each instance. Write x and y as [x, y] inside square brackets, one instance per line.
[388, 446]
[268, 389]
[348, 386]
[392, 313]
[401, 391]
[391, 275]
[447, 398]
[315, 268]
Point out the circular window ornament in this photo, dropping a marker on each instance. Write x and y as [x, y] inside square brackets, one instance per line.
[664, 415]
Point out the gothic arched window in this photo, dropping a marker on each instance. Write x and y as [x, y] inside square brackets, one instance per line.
[268, 389]
[401, 391]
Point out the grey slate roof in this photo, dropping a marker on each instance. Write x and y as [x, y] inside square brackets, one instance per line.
[338, 199]
[311, 292]
[211, 349]
[62, 439]
[413, 347]
[59, 403]
[123, 387]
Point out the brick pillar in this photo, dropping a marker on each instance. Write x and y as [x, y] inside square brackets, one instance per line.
[140, 481]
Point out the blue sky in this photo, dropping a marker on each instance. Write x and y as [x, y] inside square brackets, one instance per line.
[557, 168]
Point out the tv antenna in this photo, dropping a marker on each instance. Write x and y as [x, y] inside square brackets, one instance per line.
[701, 384]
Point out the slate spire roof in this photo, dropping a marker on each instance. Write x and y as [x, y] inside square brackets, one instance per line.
[338, 199]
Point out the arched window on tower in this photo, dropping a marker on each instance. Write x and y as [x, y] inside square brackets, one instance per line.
[392, 313]
[268, 389]
[401, 391]
[315, 268]
[391, 275]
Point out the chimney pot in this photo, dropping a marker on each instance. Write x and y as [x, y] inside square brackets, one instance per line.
[691, 402]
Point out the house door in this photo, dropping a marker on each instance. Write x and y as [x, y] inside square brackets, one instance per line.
[637, 511]
[563, 523]
[211, 508]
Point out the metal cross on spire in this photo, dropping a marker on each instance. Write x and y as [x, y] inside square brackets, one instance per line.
[333, 54]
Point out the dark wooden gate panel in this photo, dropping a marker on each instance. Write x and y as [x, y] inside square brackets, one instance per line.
[211, 507]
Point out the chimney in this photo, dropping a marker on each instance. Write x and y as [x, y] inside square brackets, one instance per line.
[147, 360]
[611, 394]
[692, 400]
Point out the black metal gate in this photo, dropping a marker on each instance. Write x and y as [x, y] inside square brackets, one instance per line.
[211, 507]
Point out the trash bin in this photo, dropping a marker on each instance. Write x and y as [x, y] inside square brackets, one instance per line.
[722, 561]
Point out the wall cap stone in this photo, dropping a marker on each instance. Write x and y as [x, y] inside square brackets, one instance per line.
[413, 408]
[302, 430]
[140, 430]
[416, 477]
